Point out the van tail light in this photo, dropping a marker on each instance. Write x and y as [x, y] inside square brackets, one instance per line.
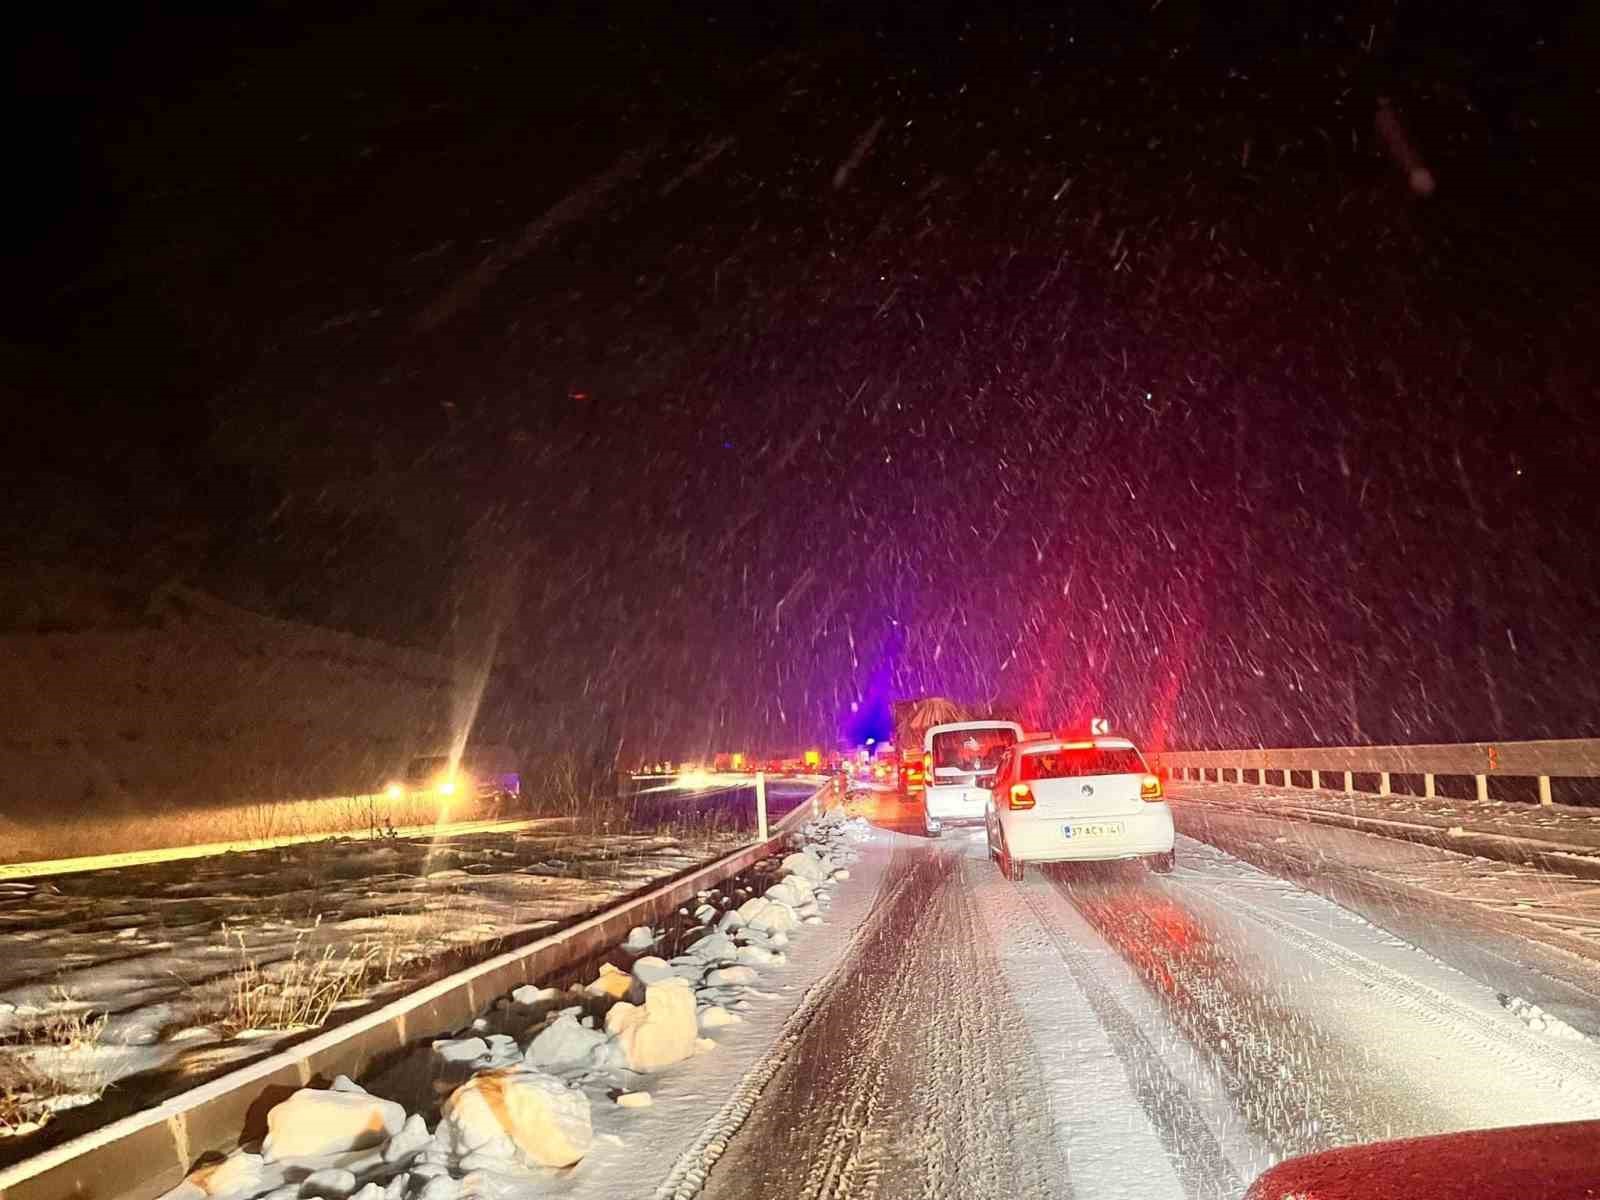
[1021, 796]
[1150, 787]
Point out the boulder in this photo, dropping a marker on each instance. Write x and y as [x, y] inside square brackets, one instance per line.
[787, 893]
[659, 1032]
[236, 1173]
[613, 981]
[531, 997]
[314, 1122]
[730, 976]
[564, 1045]
[768, 915]
[334, 1183]
[412, 1138]
[713, 947]
[519, 1115]
[759, 956]
[807, 864]
[714, 1016]
[651, 969]
[640, 937]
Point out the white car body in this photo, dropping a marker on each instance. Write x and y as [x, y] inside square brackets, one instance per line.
[1092, 800]
[951, 795]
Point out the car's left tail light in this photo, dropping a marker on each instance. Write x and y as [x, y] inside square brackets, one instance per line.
[1150, 787]
[1020, 796]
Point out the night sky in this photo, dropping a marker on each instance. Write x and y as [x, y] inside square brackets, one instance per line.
[724, 369]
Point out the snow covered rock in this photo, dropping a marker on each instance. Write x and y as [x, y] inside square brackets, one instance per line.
[713, 947]
[759, 956]
[651, 969]
[531, 997]
[788, 893]
[235, 1174]
[769, 915]
[659, 1032]
[730, 976]
[635, 1100]
[729, 921]
[807, 864]
[412, 1138]
[613, 982]
[518, 1115]
[343, 1083]
[334, 1183]
[440, 1187]
[565, 1045]
[640, 937]
[312, 1122]
[705, 914]
[841, 874]
[714, 1016]
[461, 1052]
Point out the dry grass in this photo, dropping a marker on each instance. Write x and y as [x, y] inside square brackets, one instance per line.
[301, 990]
[330, 816]
[297, 992]
[68, 1032]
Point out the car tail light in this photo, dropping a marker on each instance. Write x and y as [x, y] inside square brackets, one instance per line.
[1150, 787]
[1021, 796]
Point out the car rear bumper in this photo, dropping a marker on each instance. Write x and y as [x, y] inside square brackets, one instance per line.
[1043, 838]
[955, 806]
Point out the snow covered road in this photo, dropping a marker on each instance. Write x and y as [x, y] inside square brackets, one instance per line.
[1102, 1032]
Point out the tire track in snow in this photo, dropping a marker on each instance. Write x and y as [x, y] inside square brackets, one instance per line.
[1203, 1169]
[1497, 1035]
[913, 1075]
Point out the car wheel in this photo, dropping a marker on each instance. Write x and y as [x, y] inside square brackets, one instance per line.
[1009, 867]
[1164, 863]
[928, 832]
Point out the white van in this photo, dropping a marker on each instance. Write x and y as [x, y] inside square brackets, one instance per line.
[958, 762]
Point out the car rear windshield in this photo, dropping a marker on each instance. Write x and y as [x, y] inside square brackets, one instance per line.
[971, 750]
[1088, 760]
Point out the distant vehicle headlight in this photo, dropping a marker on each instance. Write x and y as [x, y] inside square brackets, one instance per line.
[447, 787]
[394, 791]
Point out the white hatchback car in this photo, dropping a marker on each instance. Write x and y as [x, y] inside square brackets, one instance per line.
[1077, 801]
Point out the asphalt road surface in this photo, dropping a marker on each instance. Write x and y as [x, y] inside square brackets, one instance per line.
[1099, 1031]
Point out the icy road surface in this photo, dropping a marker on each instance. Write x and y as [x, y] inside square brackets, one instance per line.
[1102, 1032]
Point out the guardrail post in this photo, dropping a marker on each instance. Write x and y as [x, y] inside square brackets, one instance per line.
[1316, 780]
[1261, 772]
[1349, 783]
[761, 806]
[1483, 787]
[1383, 783]
[1427, 786]
[1288, 781]
[1544, 790]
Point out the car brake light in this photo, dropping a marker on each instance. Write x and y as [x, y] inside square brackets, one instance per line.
[1021, 796]
[1150, 787]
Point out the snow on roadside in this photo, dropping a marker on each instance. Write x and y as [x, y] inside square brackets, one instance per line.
[178, 969]
[599, 1087]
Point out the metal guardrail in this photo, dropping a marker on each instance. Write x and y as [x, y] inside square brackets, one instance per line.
[1566, 758]
[144, 1155]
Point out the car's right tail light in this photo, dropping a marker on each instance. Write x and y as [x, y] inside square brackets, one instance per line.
[1021, 796]
[1150, 787]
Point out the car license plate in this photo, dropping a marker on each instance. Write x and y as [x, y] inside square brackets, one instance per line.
[1092, 829]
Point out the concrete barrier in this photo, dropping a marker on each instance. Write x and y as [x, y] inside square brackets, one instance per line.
[144, 1155]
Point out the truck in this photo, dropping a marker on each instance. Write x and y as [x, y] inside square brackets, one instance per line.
[912, 720]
